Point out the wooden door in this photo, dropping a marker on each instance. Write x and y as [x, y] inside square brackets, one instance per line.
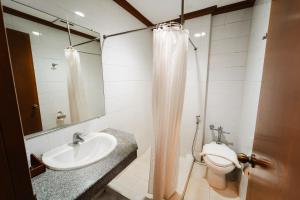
[15, 181]
[23, 71]
[277, 135]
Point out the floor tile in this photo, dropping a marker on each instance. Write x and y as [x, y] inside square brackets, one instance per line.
[133, 181]
[227, 194]
[199, 189]
[194, 193]
[109, 194]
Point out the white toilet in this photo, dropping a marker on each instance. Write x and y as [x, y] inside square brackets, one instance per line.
[220, 160]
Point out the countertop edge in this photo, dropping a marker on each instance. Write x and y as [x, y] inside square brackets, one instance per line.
[101, 183]
[41, 182]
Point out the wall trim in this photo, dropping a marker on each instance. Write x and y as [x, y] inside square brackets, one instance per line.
[214, 10]
[233, 7]
[134, 12]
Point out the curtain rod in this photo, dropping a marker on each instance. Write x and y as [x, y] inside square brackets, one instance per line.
[69, 33]
[182, 13]
[141, 29]
[86, 42]
[152, 27]
[130, 31]
[90, 53]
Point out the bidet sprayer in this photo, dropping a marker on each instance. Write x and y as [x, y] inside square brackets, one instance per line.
[198, 119]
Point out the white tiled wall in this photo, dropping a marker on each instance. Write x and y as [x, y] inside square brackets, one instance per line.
[227, 67]
[253, 77]
[127, 62]
[195, 93]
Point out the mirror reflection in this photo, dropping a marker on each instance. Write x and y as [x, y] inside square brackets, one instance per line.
[58, 76]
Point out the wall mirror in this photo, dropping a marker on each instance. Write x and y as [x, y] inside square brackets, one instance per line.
[55, 83]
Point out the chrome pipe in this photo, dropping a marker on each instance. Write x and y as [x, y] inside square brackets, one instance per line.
[69, 33]
[182, 13]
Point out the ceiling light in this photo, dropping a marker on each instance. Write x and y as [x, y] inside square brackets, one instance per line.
[36, 33]
[202, 34]
[81, 14]
[197, 35]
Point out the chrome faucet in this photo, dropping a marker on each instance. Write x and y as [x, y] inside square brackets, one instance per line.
[77, 138]
[220, 133]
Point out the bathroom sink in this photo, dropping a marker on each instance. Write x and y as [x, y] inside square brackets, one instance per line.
[95, 146]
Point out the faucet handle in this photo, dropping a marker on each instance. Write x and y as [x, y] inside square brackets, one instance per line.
[221, 131]
[77, 137]
[212, 127]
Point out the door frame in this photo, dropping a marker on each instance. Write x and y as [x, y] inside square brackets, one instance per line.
[15, 177]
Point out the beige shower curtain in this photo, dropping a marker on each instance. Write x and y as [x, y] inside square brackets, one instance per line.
[76, 89]
[170, 46]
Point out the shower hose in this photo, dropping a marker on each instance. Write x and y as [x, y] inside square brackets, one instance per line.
[195, 139]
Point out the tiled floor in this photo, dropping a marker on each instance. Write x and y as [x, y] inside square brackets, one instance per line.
[133, 181]
[109, 194]
[199, 189]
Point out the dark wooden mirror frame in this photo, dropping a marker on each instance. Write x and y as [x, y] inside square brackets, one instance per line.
[15, 180]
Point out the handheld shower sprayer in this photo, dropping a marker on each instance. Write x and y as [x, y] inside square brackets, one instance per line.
[198, 119]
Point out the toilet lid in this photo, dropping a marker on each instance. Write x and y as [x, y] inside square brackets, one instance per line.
[219, 161]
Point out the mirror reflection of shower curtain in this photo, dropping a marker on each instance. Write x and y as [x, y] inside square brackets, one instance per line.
[170, 47]
[76, 89]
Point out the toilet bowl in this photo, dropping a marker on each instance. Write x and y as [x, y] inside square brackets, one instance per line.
[220, 161]
[217, 170]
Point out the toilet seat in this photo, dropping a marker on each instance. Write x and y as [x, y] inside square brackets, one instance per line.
[219, 161]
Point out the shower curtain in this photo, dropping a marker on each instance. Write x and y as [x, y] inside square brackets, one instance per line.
[77, 98]
[170, 46]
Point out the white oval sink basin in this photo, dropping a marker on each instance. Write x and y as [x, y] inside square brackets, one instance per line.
[96, 146]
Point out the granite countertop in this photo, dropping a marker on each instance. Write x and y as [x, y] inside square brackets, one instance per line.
[67, 185]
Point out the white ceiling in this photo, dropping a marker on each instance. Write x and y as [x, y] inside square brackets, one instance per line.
[163, 10]
[48, 17]
[99, 12]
